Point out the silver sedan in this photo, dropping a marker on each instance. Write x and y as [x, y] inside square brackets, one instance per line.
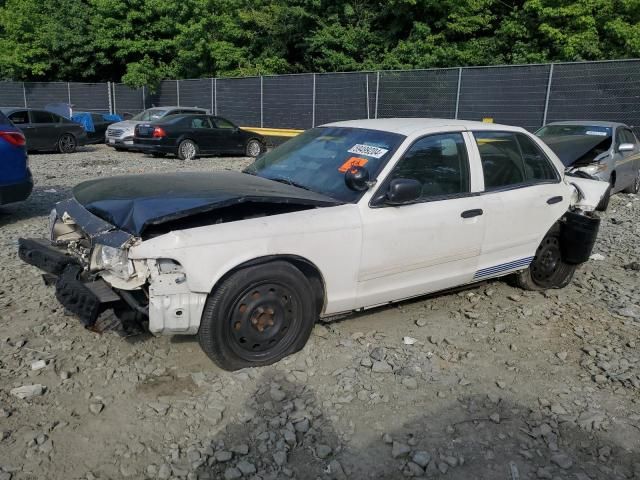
[607, 151]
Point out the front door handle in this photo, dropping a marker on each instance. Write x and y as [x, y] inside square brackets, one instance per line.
[553, 200]
[476, 212]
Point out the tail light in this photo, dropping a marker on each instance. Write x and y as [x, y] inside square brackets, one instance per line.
[159, 133]
[14, 138]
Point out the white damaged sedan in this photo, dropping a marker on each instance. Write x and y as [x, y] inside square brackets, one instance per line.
[346, 216]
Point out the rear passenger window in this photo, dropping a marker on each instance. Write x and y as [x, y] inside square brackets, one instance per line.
[41, 117]
[200, 122]
[19, 117]
[439, 163]
[510, 159]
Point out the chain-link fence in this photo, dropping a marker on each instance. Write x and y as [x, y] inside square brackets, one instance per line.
[525, 95]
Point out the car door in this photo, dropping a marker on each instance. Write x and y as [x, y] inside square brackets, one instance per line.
[523, 198]
[46, 128]
[433, 243]
[20, 118]
[204, 133]
[626, 161]
[99, 126]
[230, 137]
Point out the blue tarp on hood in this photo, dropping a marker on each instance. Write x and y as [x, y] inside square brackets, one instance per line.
[86, 120]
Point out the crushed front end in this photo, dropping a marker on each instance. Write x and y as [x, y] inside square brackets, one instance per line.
[86, 259]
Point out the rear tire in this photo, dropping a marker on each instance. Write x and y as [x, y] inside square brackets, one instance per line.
[635, 186]
[257, 316]
[547, 270]
[67, 143]
[253, 148]
[187, 150]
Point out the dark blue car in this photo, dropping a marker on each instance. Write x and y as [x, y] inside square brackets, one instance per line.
[16, 182]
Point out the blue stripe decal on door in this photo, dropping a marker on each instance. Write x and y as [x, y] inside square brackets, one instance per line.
[503, 267]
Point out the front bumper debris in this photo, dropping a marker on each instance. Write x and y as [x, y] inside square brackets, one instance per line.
[85, 297]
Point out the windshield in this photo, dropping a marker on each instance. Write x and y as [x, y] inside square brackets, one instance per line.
[562, 130]
[318, 159]
[150, 115]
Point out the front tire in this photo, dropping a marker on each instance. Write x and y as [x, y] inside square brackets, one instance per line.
[635, 186]
[257, 316]
[547, 270]
[254, 148]
[187, 150]
[67, 143]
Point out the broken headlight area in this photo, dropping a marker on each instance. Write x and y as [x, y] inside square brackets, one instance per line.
[112, 259]
[594, 168]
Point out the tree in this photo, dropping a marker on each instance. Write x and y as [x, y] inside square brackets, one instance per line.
[144, 41]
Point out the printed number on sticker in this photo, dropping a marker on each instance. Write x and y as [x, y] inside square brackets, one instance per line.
[368, 150]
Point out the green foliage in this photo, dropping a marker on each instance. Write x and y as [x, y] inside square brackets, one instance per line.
[144, 41]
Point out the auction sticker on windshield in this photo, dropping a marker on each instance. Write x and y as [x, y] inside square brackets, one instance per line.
[368, 150]
[596, 132]
[353, 162]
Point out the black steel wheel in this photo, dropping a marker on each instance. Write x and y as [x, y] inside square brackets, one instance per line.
[257, 316]
[67, 143]
[548, 269]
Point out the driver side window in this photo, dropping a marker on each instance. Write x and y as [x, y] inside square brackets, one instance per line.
[439, 163]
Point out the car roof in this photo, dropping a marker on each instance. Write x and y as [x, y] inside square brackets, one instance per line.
[408, 126]
[175, 107]
[589, 123]
[10, 110]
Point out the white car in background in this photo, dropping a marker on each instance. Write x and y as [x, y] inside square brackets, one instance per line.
[346, 216]
[120, 135]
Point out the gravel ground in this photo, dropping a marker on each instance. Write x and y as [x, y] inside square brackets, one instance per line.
[490, 382]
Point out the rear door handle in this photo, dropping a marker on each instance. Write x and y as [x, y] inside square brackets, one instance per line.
[476, 212]
[553, 200]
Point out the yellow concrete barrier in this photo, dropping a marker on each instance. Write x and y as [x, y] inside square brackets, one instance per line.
[274, 132]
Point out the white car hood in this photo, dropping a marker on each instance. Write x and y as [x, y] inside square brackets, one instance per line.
[125, 125]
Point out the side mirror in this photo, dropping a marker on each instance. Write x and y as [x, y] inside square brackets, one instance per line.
[402, 191]
[357, 178]
[626, 147]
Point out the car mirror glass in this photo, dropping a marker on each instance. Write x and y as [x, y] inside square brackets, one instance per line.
[403, 191]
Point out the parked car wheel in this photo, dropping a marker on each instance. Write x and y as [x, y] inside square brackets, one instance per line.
[257, 316]
[254, 148]
[187, 150]
[547, 270]
[67, 143]
[604, 202]
[635, 186]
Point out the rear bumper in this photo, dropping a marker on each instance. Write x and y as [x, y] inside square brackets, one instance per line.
[155, 148]
[86, 298]
[16, 192]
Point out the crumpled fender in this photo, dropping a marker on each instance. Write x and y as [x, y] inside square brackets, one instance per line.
[587, 193]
